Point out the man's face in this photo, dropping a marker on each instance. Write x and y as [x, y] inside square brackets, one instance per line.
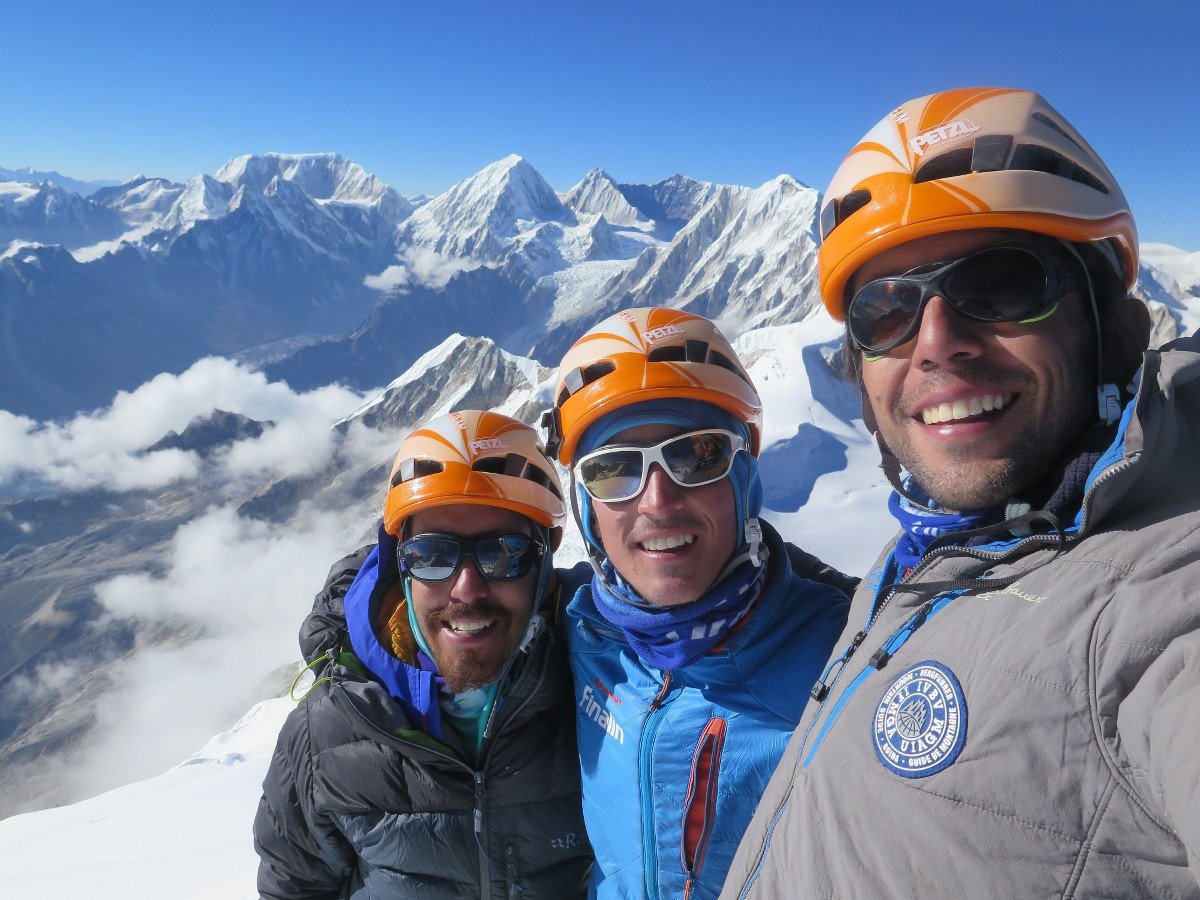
[1043, 373]
[669, 542]
[471, 624]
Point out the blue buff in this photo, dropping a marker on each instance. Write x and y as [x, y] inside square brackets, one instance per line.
[671, 637]
[920, 526]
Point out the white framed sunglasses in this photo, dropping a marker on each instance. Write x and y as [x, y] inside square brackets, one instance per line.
[694, 459]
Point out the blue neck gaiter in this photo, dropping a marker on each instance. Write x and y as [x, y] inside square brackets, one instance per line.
[671, 637]
[921, 525]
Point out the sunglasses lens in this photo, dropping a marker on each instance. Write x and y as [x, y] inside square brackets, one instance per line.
[882, 312]
[614, 475]
[505, 557]
[611, 476]
[1002, 285]
[429, 558]
[696, 459]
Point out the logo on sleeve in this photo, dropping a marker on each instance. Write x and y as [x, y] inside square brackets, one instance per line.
[921, 721]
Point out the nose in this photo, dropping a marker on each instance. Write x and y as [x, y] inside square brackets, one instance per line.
[467, 584]
[945, 337]
[660, 494]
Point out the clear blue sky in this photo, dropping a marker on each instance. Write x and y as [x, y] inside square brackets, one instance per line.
[425, 94]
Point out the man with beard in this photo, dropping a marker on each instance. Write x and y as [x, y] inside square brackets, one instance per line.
[695, 642]
[435, 753]
[1011, 711]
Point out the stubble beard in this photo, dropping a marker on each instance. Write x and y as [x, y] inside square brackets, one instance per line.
[469, 668]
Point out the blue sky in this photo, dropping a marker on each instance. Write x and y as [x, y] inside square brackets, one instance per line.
[425, 94]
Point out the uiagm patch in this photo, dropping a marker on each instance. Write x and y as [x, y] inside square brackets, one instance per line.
[921, 721]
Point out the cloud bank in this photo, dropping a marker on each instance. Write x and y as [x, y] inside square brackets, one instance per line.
[420, 265]
[102, 448]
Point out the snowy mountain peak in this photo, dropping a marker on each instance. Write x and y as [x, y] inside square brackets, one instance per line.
[599, 195]
[202, 197]
[481, 215]
[673, 200]
[322, 176]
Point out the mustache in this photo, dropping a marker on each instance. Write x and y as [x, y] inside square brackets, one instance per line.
[456, 610]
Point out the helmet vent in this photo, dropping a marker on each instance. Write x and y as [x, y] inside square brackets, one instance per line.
[1050, 123]
[416, 468]
[1025, 157]
[698, 352]
[578, 379]
[516, 466]
[948, 165]
[1043, 159]
[836, 211]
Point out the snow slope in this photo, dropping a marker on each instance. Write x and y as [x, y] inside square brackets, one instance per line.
[184, 834]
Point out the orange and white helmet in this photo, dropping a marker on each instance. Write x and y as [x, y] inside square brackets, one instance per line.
[969, 158]
[647, 354]
[475, 458]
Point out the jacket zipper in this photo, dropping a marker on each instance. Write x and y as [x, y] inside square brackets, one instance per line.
[654, 716]
[700, 806]
[478, 817]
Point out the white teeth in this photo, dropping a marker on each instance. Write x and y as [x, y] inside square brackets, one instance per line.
[668, 543]
[965, 408]
[468, 627]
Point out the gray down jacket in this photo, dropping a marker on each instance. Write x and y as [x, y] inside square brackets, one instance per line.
[1020, 719]
[357, 803]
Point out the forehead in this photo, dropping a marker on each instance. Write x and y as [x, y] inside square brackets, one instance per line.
[468, 520]
[934, 248]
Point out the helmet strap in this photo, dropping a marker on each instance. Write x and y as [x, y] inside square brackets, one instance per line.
[1108, 395]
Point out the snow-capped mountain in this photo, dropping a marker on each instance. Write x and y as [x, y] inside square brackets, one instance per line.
[483, 216]
[48, 214]
[28, 175]
[598, 195]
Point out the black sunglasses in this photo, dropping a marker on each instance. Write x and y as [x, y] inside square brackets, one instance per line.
[435, 558]
[1013, 282]
[613, 474]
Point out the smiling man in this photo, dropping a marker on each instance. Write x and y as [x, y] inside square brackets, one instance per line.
[697, 640]
[1012, 709]
[435, 754]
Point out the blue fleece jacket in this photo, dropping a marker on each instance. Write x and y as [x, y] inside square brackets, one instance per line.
[673, 763]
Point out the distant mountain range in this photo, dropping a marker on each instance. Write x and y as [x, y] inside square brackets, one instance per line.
[317, 269]
[100, 292]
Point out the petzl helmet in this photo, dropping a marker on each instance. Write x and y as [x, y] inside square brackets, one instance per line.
[969, 158]
[475, 458]
[647, 354]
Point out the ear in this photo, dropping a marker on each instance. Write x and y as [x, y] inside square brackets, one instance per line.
[1126, 336]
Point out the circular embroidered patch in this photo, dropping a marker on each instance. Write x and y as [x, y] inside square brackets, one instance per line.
[921, 721]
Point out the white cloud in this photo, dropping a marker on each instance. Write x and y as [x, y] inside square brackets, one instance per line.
[101, 449]
[390, 278]
[420, 265]
[244, 587]
[44, 685]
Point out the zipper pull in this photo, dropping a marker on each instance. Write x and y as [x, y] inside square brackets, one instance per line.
[479, 803]
[820, 690]
[882, 656]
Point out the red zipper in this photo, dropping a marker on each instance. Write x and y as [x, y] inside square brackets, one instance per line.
[699, 809]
